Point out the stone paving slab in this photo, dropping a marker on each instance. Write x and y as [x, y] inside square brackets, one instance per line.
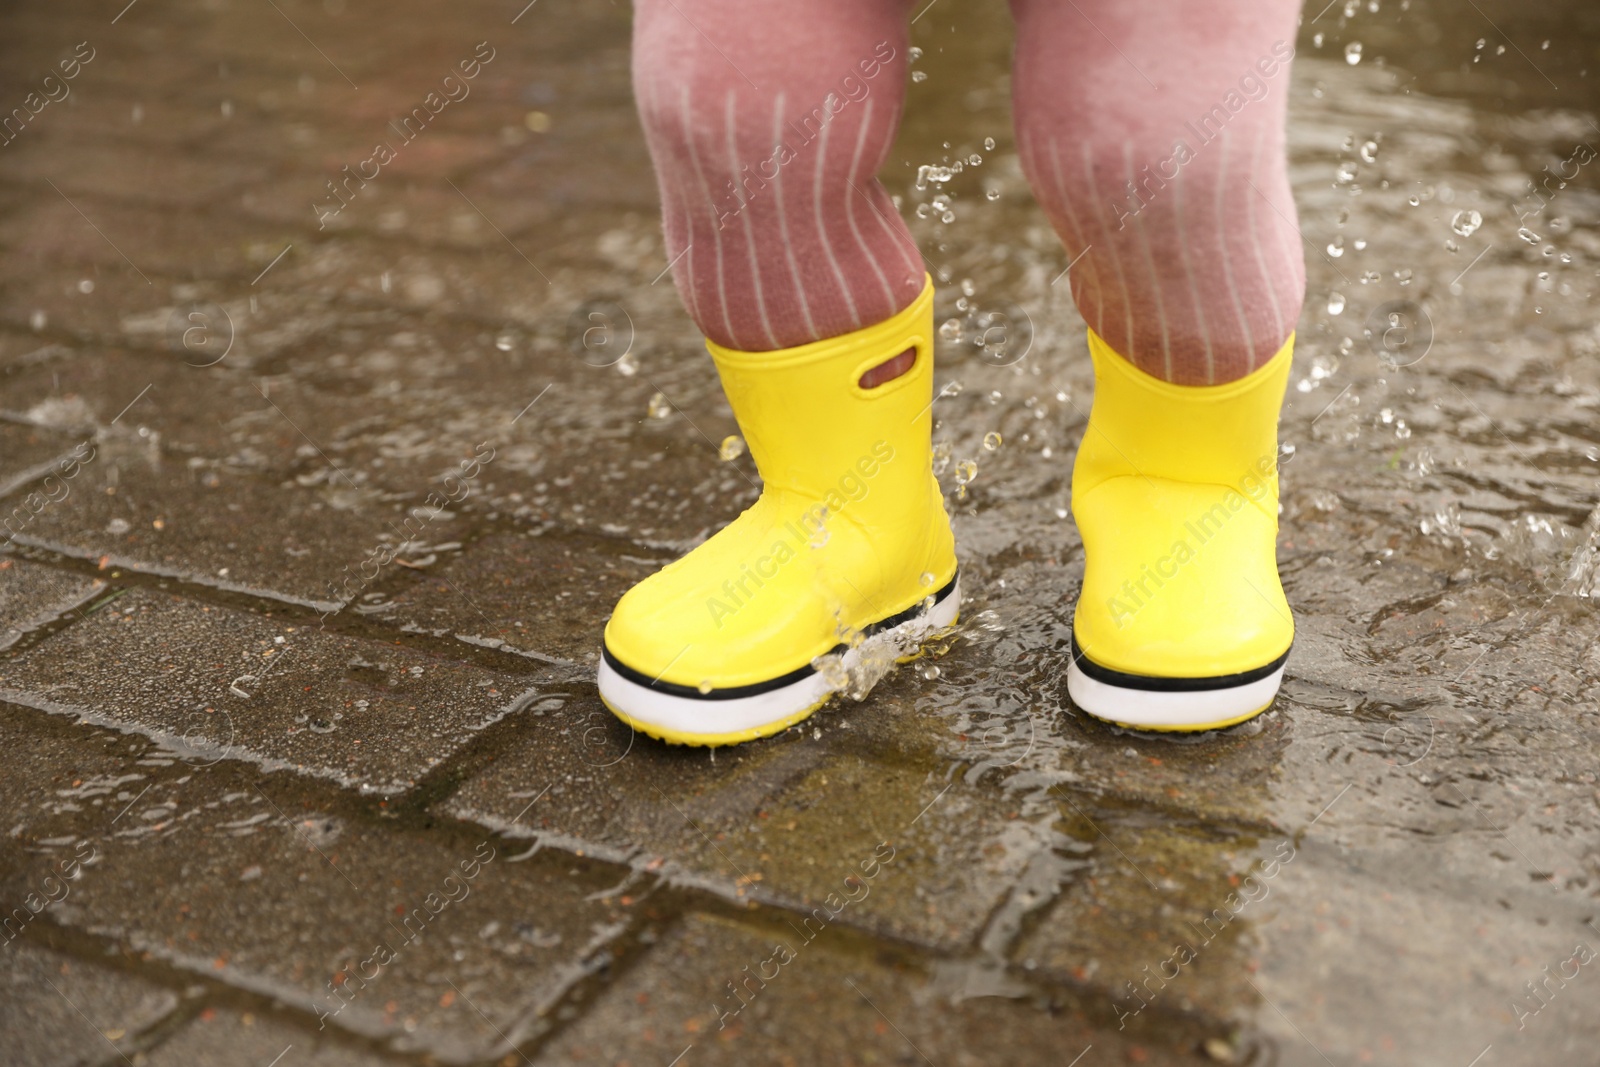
[56, 1011]
[372, 716]
[215, 244]
[217, 525]
[531, 594]
[228, 1036]
[32, 596]
[1434, 921]
[29, 452]
[722, 991]
[438, 942]
[147, 176]
[771, 823]
[1094, 936]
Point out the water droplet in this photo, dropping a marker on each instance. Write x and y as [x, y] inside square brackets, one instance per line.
[1414, 200]
[1335, 303]
[919, 75]
[819, 538]
[1451, 246]
[950, 329]
[1346, 173]
[659, 407]
[915, 53]
[1403, 275]
[1360, 243]
[732, 447]
[948, 217]
[1352, 53]
[704, 686]
[1466, 223]
[37, 319]
[926, 579]
[988, 142]
[1316, 40]
[1369, 152]
[966, 470]
[86, 286]
[627, 366]
[1336, 247]
[991, 441]
[929, 670]
[992, 194]
[975, 160]
[504, 342]
[1528, 235]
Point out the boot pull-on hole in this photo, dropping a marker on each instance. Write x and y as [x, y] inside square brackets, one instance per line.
[889, 370]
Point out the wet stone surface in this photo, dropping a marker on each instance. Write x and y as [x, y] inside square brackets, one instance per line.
[780, 824]
[60, 1010]
[315, 613]
[215, 683]
[226, 1036]
[581, 577]
[741, 989]
[33, 596]
[440, 942]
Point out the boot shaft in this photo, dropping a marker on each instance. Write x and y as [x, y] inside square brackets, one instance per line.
[816, 435]
[1141, 426]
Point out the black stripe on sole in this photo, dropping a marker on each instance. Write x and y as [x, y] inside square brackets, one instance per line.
[782, 681]
[1152, 684]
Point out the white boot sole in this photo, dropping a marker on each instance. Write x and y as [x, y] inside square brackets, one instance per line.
[1167, 706]
[681, 715]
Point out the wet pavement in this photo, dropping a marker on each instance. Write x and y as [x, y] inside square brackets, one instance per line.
[314, 518]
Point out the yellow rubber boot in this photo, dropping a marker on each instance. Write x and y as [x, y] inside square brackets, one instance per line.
[1182, 622]
[848, 540]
